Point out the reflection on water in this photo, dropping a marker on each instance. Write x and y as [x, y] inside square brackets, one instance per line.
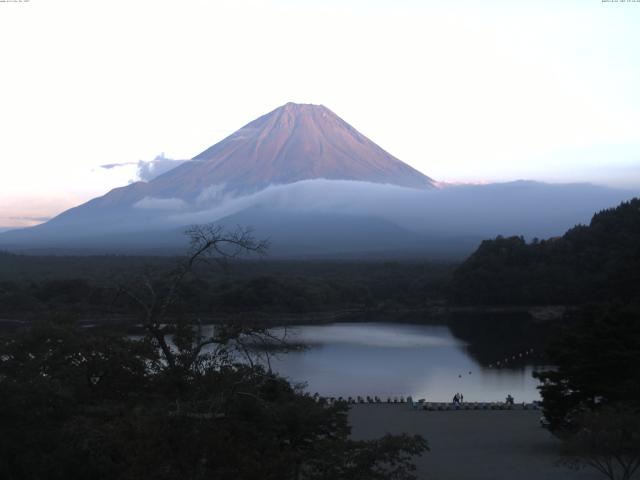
[373, 335]
[397, 360]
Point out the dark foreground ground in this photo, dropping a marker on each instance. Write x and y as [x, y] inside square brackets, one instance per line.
[478, 445]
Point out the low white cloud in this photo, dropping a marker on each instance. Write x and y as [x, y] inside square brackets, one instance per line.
[111, 166]
[528, 208]
[212, 194]
[147, 171]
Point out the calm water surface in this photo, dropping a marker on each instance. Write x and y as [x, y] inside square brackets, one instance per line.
[350, 359]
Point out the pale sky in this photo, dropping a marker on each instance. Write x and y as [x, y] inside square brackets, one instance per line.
[464, 91]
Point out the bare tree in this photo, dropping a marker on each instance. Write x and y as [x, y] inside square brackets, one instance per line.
[156, 293]
[607, 440]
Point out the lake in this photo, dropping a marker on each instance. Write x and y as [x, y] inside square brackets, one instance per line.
[392, 359]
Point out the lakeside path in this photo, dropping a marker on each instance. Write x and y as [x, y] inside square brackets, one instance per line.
[471, 444]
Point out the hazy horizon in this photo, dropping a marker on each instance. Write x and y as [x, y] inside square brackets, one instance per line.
[464, 93]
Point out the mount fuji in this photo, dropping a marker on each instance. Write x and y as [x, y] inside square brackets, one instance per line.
[314, 185]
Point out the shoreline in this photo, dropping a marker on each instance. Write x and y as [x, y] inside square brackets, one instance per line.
[437, 314]
[471, 444]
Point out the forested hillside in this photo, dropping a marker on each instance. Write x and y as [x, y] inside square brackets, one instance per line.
[36, 286]
[598, 262]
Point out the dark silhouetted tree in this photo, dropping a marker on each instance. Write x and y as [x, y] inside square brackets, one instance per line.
[185, 401]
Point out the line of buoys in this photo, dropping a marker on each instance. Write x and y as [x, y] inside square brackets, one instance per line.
[508, 359]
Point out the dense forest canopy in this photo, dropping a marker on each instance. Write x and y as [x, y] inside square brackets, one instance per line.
[598, 262]
[78, 405]
[86, 286]
[596, 353]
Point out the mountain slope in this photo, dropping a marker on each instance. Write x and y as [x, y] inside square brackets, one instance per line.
[293, 142]
[335, 217]
[316, 186]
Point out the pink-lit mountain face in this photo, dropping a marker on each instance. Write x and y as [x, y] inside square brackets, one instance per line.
[299, 142]
[292, 143]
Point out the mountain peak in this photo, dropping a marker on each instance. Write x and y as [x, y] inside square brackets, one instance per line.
[293, 142]
[285, 120]
[302, 106]
[302, 109]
